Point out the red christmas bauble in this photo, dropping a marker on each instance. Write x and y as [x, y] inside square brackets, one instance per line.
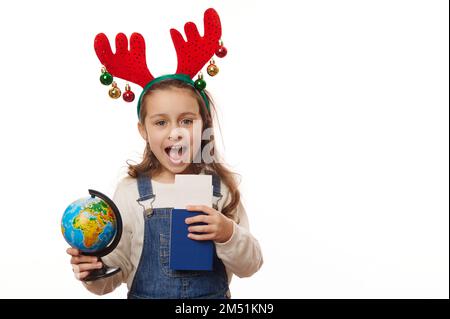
[221, 52]
[128, 96]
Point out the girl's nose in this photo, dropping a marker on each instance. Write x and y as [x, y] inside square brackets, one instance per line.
[175, 135]
[173, 138]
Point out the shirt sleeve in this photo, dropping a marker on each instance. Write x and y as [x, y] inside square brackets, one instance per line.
[120, 256]
[241, 254]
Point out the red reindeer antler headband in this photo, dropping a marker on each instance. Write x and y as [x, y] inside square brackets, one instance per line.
[131, 65]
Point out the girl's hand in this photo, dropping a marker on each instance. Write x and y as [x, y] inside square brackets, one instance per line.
[82, 265]
[219, 228]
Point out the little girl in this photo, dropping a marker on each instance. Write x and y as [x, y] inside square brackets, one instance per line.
[142, 252]
[174, 112]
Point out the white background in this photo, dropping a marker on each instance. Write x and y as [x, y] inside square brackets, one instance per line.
[335, 113]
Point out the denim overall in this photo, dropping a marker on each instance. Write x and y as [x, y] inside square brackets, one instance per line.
[153, 278]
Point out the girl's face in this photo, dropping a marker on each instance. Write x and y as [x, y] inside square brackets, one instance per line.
[172, 127]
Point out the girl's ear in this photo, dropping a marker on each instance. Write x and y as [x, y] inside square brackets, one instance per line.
[142, 131]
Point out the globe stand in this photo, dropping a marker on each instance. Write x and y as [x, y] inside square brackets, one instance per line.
[105, 271]
[102, 273]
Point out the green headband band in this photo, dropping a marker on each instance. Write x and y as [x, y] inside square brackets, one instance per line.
[182, 77]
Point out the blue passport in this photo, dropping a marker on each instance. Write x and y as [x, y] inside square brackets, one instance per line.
[186, 253]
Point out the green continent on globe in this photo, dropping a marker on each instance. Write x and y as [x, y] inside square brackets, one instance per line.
[92, 220]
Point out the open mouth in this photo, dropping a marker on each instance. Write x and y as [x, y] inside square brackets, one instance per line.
[177, 153]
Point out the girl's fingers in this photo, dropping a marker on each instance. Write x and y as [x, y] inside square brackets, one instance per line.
[198, 219]
[82, 265]
[201, 208]
[201, 229]
[83, 259]
[73, 251]
[86, 267]
[81, 275]
[201, 237]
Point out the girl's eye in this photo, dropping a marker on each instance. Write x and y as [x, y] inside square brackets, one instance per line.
[187, 121]
[160, 123]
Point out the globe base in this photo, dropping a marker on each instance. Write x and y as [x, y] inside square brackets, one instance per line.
[102, 273]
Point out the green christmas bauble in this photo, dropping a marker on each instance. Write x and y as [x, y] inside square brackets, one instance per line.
[200, 84]
[106, 78]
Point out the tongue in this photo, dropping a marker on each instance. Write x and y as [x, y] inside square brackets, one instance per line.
[175, 156]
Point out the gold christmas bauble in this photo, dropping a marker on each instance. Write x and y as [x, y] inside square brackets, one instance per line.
[212, 69]
[114, 92]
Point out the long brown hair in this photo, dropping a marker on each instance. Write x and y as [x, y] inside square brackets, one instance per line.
[151, 165]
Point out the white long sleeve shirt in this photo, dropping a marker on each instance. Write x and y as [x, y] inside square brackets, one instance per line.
[241, 254]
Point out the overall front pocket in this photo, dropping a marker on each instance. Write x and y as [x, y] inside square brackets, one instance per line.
[164, 257]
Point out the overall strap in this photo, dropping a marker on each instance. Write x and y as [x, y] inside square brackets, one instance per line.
[216, 185]
[146, 196]
[216, 189]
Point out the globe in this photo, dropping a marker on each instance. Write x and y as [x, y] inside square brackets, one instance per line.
[89, 224]
[94, 226]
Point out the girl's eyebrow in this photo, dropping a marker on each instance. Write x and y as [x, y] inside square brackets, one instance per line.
[159, 114]
[182, 114]
[188, 113]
